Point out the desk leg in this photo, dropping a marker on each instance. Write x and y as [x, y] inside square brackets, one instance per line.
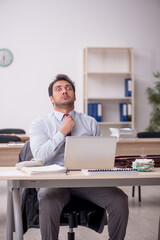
[17, 214]
[159, 230]
[10, 217]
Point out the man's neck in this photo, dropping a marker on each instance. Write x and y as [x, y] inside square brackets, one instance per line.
[64, 110]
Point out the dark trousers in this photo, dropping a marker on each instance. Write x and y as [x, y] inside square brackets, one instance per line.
[52, 201]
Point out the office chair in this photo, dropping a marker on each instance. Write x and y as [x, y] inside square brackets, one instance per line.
[148, 135]
[9, 138]
[12, 131]
[76, 212]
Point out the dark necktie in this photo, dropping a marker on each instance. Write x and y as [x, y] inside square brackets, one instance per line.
[65, 115]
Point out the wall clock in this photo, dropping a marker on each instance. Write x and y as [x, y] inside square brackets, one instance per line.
[6, 57]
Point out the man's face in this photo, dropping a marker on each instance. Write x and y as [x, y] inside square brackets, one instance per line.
[62, 95]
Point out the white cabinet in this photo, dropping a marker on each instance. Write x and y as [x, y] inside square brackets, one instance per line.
[105, 71]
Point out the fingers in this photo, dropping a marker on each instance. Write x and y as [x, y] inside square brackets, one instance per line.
[67, 125]
[68, 116]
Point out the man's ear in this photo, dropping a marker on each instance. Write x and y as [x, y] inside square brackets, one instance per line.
[75, 97]
[51, 98]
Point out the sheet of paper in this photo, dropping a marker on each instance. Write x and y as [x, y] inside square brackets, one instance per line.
[11, 173]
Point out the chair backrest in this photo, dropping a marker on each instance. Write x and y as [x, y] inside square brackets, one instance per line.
[148, 134]
[9, 138]
[25, 153]
[12, 131]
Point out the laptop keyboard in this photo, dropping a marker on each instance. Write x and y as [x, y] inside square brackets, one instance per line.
[109, 171]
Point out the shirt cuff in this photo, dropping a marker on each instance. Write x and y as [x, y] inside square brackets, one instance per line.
[59, 137]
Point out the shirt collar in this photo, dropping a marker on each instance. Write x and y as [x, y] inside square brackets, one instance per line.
[59, 115]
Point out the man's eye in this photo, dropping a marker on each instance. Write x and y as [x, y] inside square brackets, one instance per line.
[58, 89]
[69, 88]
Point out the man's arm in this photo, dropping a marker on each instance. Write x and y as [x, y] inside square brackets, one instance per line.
[43, 146]
[47, 147]
[95, 128]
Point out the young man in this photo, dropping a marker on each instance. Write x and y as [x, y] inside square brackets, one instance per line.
[47, 138]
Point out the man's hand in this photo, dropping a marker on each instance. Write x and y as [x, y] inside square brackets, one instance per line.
[67, 125]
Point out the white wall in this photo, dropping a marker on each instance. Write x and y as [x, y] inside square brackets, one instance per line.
[47, 37]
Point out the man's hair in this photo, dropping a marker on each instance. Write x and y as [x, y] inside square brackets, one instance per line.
[60, 77]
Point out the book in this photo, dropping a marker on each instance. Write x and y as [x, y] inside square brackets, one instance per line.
[128, 87]
[51, 169]
[95, 110]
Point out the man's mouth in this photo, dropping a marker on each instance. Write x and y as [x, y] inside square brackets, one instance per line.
[65, 97]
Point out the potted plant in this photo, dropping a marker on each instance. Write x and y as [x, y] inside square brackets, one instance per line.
[154, 100]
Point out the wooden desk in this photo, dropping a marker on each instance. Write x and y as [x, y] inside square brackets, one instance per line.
[128, 146]
[138, 146]
[9, 154]
[17, 179]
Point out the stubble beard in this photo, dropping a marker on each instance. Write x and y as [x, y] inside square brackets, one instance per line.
[69, 104]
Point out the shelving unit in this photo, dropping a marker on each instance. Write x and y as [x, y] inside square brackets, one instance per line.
[105, 70]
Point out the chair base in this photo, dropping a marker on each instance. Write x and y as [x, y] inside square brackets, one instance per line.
[71, 236]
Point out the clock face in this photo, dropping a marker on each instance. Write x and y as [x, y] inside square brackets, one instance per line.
[6, 57]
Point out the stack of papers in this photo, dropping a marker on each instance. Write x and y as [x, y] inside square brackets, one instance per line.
[144, 165]
[15, 144]
[127, 133]
[123, 132]
[52, 169]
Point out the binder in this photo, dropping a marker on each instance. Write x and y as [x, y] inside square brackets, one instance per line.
[99, 112]
[123, 112]
[95, 110]
[90, 109]
[129, 112]
[128, 87]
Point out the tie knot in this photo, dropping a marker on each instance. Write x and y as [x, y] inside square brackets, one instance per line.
[65, 115]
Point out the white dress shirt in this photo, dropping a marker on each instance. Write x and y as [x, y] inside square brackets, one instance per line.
[48, 143]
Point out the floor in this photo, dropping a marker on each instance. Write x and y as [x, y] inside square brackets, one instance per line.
[143, 218]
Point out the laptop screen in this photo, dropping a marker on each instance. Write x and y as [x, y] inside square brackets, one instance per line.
[90, 152]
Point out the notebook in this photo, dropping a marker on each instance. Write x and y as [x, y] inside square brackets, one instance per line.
[51, 169]
[90, 152]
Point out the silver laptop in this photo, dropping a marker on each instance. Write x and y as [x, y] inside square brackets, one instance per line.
[90, 152]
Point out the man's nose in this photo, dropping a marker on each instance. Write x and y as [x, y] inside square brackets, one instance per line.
[64, 90]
